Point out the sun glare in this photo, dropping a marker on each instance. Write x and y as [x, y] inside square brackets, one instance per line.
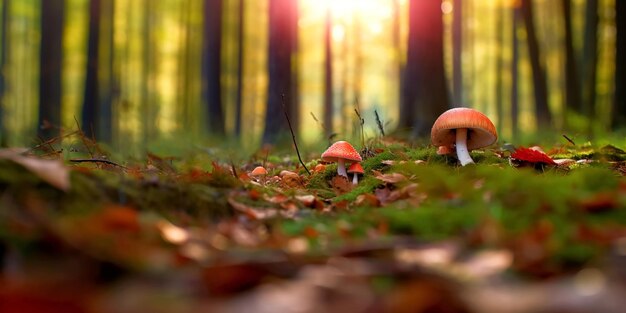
[346, 9]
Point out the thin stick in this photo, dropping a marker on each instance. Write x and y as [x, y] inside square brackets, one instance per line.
[293, 136]
[568, 139]
[82, 137]
[361, 121]
[96, 161]
[379, 123]
[232, 168]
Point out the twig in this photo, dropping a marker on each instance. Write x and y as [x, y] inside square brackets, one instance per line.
[48, 142]
[379, 123]
[97, 161]
[361, 121]
[232, 168]
[568, 139]
[293, 136]
[82, 137]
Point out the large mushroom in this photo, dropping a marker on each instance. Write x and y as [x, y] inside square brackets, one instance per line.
[340, 152]
[465, 129]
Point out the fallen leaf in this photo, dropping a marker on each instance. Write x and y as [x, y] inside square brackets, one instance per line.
[532, 156]
[306, 200]
[391, 178]
[341, 184]
[290, 179]
[367, 199]
[54, 172]
[252, 212]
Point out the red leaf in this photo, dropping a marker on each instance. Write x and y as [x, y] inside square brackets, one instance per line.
[532, 156]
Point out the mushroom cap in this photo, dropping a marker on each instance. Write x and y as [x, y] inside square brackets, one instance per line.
[355, 168]
[258, 171]
[480, 130]
[341, 150]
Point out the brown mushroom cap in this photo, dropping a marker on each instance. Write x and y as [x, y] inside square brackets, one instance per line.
[341, 150]
[355, 168]
[480, 130]
[258, 171]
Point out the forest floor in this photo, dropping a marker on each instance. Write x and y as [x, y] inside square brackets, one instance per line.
[519, 231]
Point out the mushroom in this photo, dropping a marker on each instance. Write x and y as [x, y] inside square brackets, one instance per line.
[340, 152]
[259, 172]
[355, 169]
[466, 129]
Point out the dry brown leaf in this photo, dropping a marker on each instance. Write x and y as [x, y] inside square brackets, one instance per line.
[54, 172]
[252, 212]
[291, 180]
[306, 200]
[341, 184]
[367, 199]
[391, 178]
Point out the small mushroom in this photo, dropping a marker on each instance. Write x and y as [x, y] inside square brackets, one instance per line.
[466, 129]
[340, 152]
[355, 169]
[259, 172]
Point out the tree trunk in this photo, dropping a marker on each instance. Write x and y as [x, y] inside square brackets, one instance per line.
[96, 115]
[572, 84]
[397, 45]
[281, 89]
[148, 103]
[457, 53]
[4, 40]
[590, 61]
[211, 66]
[515, 76]
[328, 76]
[619, 103]
[425, 92]
[499, 24]
[542, 111]
[50, 65]
[240, 54]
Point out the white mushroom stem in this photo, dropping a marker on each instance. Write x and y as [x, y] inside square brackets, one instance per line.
[341, 167]
[355, 179]
[461, 147]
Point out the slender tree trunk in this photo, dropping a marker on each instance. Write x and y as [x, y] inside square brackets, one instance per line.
[343, 90]
[147, 103]
[590, 61]
[358, 60]
[398, 55]
[211, 66]
[542, 110]
[50, 64]
[515, 76]
[409, 72]
[96, 115]
[499, 24]
[572, 84]
[457, 53]
[619, 104]
[4, 57]
[183, 66]
[240, 55]
[427, 96]
[328, 75]
[281, 89]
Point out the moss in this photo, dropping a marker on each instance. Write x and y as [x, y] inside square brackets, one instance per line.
[366, 185]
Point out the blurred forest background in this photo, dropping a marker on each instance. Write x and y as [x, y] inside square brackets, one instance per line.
[132, 72]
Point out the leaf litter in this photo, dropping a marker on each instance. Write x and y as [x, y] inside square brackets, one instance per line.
[417, 232]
